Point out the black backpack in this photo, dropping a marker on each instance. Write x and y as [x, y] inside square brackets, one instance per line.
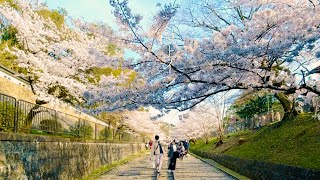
[161, 150]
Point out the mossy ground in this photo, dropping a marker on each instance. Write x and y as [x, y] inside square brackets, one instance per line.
[296, 143]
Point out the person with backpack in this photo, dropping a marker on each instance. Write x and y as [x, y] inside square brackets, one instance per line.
[187, 146]
[157, 152]
[173, 154]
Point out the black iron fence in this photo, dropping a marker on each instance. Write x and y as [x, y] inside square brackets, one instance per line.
[25, 117]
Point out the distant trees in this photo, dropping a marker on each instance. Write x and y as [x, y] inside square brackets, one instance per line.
[251, 106]
[205, 119]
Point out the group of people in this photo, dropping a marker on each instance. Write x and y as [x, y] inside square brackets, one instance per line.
[175, 150]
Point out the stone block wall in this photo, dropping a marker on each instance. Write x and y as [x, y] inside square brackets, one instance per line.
[43, 157]
[261, 170]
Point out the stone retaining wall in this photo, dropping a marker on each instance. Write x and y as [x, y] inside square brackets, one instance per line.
[43, 157]
[260, 170]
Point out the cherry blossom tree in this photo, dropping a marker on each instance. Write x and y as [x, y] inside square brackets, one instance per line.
[59, 59]
[246, 45]
[140, 121]
[199, 122]
[206, 118]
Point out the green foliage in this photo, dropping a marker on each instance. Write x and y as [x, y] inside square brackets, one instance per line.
[50, 125]
[112, 50]
[110, 118]
[94, 74]
[81, 130]
[7, 114]
[257, 105]
[8, 60]
[9, 35]
[54, 16]
[11, 3]
[127, 137]
[106, 134]
[143, 109]
[8, 40]
[77, 78]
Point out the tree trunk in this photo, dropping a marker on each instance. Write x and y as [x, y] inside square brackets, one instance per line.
[288, 106]
[220, 135]
[221, 132]
[206, 140]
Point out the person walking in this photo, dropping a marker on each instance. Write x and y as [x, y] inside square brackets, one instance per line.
[187, 146]
[157, 152]
[150, 144]
[173, 154]
[181, 150]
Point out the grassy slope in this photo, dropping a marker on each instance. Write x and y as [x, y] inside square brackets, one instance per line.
[295, 143]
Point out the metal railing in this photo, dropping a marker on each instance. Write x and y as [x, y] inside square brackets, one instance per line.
[25, 117]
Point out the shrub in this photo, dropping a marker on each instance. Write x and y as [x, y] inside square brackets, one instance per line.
[81, 130]
[106, 134]
[50, 125]
[7, 112]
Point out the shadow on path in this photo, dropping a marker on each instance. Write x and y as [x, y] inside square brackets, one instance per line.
[141, 169]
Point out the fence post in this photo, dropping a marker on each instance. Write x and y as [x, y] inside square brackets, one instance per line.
[15, 121]
[79, 126]
[56, 122]
[95, 130]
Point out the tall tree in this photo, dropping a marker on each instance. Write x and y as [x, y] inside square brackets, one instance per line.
[248, 45]
[59, 60]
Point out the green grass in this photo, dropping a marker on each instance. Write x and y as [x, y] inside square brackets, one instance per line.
[104, 169]
[296, 143]
[201, 145]
[230, 140]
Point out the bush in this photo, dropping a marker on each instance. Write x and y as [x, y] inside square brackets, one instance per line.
[127, 137]
[7, 112]
[50, 125]
[106, 134]
[81, 130]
